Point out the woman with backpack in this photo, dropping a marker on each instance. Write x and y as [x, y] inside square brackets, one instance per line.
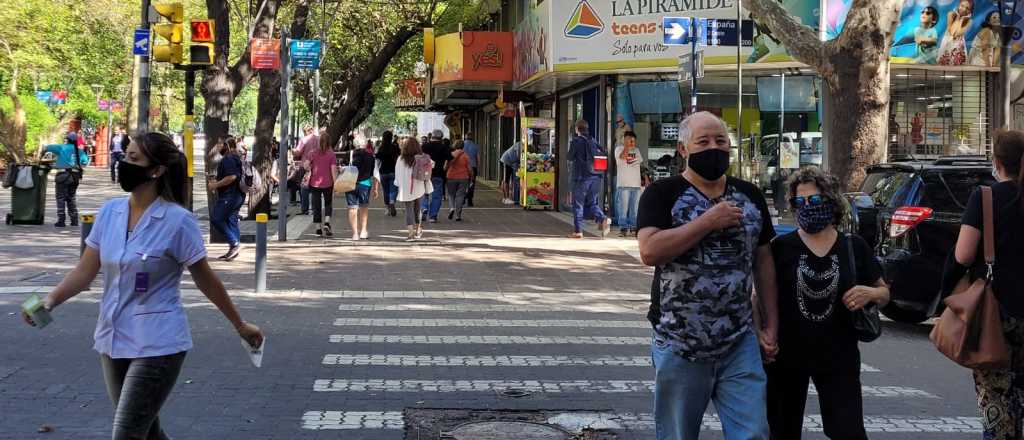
[323, 170]
[230, 198]
[143, 243]
[412, 177]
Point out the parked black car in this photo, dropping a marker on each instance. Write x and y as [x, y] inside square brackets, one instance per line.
[910, 213]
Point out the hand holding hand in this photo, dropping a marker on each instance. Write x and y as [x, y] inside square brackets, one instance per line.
[724, 215]
[251, 334]
[769, 345]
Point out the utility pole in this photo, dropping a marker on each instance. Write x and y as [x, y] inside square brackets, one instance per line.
[142, 125]
[282, 157]
[316, 74]
[1007, 11]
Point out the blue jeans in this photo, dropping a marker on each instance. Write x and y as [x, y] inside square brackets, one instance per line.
[736, 383]
[584, 201]
[388, 188]
[225, 216]
[626, 201]
[304, 199]
[432, 204]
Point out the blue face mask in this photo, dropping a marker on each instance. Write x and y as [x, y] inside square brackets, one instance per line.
[814, 219]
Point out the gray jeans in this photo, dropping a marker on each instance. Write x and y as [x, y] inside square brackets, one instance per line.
[138, 388]
[457, 195]
[412, 212]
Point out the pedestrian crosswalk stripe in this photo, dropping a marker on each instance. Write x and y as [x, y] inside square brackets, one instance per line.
[543, 386]
[375, 322]
[393, 360]
[506, 308]
[472, 339]
[577, 421]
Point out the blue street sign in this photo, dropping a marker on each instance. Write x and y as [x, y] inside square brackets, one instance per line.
[723, 32]
[140, 44]
[305, 54]
[677, 30]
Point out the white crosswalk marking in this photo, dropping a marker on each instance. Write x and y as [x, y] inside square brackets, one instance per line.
[510, 308]
[485, 361]
[487, 323]
[576, 421]
[516, 340]
[546, 386]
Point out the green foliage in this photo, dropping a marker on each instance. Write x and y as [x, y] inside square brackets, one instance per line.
[38, 118]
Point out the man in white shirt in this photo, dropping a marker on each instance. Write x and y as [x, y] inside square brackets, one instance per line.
[309, 143]
[627, 183]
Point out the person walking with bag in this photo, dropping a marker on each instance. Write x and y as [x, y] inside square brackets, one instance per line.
[459, 174]
[411, 187]
[358, 199]
[387, 155]
[825, 280]
[586, 181]
[229, 198]
[1000, 388]
[323, 170]
[143, 243]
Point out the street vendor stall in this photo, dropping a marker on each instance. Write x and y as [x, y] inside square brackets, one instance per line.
[537, 166]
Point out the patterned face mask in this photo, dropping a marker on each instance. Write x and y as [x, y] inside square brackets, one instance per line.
[814, 219]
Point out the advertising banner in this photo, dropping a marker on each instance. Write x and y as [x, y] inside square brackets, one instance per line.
[940, 32]
[532, 48]
[411, 94]
[476, 56]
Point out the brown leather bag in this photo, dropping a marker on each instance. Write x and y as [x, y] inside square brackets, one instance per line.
[970, 331]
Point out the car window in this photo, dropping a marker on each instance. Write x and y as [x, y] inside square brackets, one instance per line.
[885, 185]
[948, 191]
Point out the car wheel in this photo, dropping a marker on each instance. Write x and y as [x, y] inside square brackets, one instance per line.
[905, 316]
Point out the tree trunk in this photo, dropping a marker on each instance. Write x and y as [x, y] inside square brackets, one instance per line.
[13, 126]
[855, 68]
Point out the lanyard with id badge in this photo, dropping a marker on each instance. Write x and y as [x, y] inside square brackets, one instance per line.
[142, 277]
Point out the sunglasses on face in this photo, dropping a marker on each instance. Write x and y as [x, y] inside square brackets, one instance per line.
[812, 200]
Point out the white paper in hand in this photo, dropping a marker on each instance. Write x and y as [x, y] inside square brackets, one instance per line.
[255, 354]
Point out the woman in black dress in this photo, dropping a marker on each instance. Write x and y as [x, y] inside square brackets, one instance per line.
[819, 289]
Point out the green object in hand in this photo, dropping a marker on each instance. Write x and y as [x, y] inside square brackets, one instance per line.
[33, 307]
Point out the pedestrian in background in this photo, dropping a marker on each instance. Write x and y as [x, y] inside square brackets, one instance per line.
[510, 173]
[118, 145]
[67, 181]
[586, 181]
[628, 164]
[459, 174]
[142, 333]
[440, 154]
[309, 143]
[819, 288]
[473, 152]
[229, 198]
[708, 237]
[387, 156]
[411, 189]
[323, 170]
[1000, 391]
[359, 198]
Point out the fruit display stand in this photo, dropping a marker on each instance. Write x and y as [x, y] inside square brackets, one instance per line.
[537, 164]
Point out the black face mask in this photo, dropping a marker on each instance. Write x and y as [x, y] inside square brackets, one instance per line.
[131, 175]
[710, 164]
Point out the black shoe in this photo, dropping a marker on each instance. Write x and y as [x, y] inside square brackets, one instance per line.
[458, 219]
[424, 217]
[327, 230]
[623, 233]
[451, 214]
[319, 232]
[233, 253]
[74, 224]
[60, 224]
[392, 211]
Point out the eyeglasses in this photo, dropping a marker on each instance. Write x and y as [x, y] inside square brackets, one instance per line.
[812, 200]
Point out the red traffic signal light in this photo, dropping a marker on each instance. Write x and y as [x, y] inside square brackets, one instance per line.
[202, 31]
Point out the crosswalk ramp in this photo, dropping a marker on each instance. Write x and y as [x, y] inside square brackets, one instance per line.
[385, 355]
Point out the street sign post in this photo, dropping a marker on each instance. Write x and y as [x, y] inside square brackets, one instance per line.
[686, 68]
[140, 47]
[305, 54]
[266, 54]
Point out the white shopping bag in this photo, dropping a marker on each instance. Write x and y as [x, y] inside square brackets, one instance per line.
[24, 178]
[255, 354]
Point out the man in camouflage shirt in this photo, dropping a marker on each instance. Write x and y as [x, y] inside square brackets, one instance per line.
[708, 237]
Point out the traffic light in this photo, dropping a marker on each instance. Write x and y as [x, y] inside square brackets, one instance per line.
[203, 36]
[171, 51]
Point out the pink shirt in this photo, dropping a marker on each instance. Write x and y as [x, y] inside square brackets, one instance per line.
[308, 145]
[322, 163]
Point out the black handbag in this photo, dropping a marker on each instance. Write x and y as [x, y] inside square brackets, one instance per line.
[866, 321]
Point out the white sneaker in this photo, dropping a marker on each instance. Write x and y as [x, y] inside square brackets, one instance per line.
[364, 235]
[355, 237]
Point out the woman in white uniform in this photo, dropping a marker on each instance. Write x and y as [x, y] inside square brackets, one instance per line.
[143, 243]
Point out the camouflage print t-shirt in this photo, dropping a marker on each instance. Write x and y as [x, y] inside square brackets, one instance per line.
[700, 301]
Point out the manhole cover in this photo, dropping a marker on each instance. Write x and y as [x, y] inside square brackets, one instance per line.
[506, 431]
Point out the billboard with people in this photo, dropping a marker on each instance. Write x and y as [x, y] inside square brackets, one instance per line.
[941, 32]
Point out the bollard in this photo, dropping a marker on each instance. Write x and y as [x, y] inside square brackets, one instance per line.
[87, 221]
[261, 253]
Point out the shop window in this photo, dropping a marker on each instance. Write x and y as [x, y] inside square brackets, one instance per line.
[934, 113]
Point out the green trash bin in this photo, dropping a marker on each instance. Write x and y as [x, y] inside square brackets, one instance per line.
[28, 206]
